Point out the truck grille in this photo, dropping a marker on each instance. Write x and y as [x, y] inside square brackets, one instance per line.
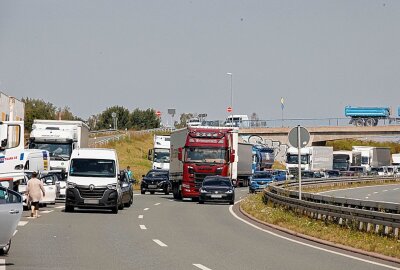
[96, 193]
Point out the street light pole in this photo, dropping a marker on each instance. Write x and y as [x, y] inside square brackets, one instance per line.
[231, 75]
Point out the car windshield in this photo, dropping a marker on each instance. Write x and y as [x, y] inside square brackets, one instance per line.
[217, 182]
[207, 155]
[153, 174]
[262, 175]
[92, 168]
[161, 155]
[58, 151]
[293, 159]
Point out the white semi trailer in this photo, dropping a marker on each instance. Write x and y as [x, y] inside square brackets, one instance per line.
[59, 137]
[314, 158]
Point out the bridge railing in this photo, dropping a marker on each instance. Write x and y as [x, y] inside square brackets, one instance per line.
[365, 215]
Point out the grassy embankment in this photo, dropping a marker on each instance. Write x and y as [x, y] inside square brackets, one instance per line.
[132, 151]
[344, 235]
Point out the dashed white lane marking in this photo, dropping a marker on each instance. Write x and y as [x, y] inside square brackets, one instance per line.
[202, 267]
[15, 232]
[22, 223]
[143, 227]
[157, 204]
[2, 264]
[368, 194]
[171, 200]
[46, 211]
[140, 216]
[146, 209]
[396, 189]
[308, 245]
[385, 190]
[60, 207]
[158, 242]
[136, 194]
[366, 197]
[376, 192]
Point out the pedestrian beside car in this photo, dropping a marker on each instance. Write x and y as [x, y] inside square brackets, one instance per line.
[35, 192]
[128, 170]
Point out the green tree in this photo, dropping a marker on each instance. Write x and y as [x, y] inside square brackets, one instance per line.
[147, 119]
[105, 120]
[37, 109]
[183, 120]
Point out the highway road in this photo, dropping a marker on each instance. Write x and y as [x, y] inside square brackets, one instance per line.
[160, 233]
[385, 193]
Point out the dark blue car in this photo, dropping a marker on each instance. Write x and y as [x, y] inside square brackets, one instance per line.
[260, 180]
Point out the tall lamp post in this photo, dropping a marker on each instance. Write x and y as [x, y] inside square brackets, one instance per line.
[231, 75]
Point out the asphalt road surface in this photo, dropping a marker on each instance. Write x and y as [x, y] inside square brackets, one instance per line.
[160, 233]
[386, 193]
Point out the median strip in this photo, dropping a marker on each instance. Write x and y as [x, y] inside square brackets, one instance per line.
[158, 242]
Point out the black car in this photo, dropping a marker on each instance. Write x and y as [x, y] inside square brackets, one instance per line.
[126, 183]
[156, 181]
[217, 188]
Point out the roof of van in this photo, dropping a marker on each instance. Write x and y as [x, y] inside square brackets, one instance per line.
[96, 153]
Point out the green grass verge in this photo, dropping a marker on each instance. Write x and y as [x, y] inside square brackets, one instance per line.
[254, 206]
[350, 185]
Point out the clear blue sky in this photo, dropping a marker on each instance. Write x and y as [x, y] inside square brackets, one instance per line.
[319, 55]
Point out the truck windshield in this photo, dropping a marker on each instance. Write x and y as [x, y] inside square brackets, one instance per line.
[206, 155]
[161, 155]
[292, 159]
[364, 160]
[340, 165]
[267, 156]
[58, 151]
[92, 167]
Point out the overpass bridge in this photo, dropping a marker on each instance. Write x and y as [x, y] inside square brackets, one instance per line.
[320, 135]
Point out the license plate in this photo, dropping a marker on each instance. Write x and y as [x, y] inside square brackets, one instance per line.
[152, 186]
[91, 201]
[216, 196]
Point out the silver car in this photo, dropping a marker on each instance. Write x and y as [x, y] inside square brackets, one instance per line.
[10, 215]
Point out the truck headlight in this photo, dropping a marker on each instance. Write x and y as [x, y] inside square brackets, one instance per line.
[71, 185]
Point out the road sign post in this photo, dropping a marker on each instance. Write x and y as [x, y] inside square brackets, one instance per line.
[299, 137]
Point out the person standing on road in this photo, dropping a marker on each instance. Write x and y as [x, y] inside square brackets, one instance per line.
[35, 192]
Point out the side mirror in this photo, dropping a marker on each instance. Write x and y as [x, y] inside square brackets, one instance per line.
[232, 156]
[180, 153]
[143, 175]
[4, 143]
[150, 154]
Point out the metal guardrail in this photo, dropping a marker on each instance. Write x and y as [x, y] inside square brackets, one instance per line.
[380, 217]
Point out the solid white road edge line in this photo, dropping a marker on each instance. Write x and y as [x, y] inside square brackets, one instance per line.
[143, 227]
[357, 188]
[15, 233]
[161, 244]
[2, 264]
[140, 216]
[202, 267]
[146, 209]
[308, 245]
[22, 223]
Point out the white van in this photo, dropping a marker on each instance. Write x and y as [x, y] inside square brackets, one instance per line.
[92, 180]
[241, 120]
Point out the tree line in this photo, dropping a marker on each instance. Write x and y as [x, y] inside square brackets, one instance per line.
[136, 119]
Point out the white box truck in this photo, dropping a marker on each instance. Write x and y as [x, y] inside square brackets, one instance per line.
[160, 154]
[314, 158]
[11, 109]
[374, 157]
[59, 137]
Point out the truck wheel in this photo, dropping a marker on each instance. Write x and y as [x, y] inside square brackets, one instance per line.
[375, 122]
[177, 193]
[369, 122]
[359, 122]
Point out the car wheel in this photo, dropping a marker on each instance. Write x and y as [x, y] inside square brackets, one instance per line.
[115, 209]
[166, 191]
[201, 202]
[69, 208]
[151, 192]
[4, 250]
[121, 206]
[142, 192]
[232, 202]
